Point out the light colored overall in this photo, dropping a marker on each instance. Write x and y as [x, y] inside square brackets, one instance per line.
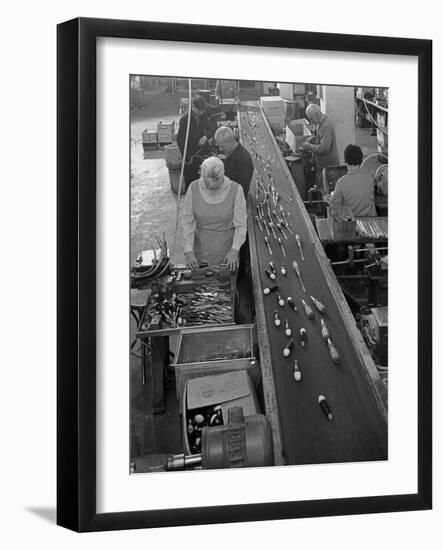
[214, 231]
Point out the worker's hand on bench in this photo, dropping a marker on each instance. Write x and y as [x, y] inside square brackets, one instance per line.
[202, 141]
[231, 259]
[191, 260]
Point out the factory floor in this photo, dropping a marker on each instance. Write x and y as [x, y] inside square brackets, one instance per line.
[154, 211]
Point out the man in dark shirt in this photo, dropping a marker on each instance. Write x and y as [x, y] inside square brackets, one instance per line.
[238, 162]
[199, 133]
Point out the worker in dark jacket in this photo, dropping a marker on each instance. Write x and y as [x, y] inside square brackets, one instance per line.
[199, 134]
[323, 144]
[238, 162]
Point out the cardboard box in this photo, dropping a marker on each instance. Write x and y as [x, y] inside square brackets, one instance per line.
[232, 389]
[297, 132]
[273, 106]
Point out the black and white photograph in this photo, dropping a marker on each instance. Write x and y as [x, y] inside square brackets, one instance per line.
[217, 207]
[258, 273]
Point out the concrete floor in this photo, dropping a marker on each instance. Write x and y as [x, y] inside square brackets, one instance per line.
[153, 205]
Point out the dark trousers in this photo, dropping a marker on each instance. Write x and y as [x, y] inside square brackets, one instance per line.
[244, 259]
[191, 172]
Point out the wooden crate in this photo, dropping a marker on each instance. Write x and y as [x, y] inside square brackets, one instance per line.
[165, 131]
[341, 223]
[149, 136]
[166, 125]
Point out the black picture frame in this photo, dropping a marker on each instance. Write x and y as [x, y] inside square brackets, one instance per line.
[76, 280]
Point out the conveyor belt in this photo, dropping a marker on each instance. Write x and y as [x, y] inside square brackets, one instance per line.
[358, 431]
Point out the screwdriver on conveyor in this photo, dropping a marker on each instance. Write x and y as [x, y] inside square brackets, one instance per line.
[333, 352]
[280, 228]
[320, 307]
[297, 270]
[271, 225]
[324, 331]
[324, 405]
[297, 371]
[308, 310]
[282, 247]
[285, 224]
[298, 241]
[291, 304]
[303, 337]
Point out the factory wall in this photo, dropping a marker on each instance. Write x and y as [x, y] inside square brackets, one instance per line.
[286, 90]
[337, 102]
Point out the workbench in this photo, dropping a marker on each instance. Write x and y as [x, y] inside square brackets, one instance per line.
[380, 223]
[302, 434]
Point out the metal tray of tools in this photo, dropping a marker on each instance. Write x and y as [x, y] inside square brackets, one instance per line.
[163, 329]
[214, 350]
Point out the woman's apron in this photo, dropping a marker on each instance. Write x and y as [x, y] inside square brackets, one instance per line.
[214, 229]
